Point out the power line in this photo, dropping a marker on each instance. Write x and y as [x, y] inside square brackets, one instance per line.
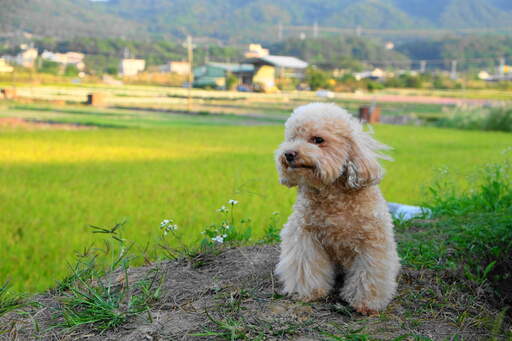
[405, 32]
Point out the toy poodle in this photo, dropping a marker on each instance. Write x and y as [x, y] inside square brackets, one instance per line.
[340, 219]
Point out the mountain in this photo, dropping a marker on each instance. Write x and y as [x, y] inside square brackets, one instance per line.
[64, 19]
[242, 20]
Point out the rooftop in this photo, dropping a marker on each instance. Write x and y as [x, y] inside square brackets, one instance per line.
[280, 61]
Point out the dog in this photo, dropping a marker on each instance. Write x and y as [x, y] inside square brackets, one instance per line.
[340, 219]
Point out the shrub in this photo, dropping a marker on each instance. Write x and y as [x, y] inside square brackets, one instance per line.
[317, 79]
[496, 119]
[474, 228]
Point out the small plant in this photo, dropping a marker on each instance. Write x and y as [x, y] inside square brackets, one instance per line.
[105, 298]
[472, 231]
[227, 231]
[271, 233]
[8, 300]
[495, 119]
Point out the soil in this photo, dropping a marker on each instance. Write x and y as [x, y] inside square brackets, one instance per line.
[19, 123]
[237, 289]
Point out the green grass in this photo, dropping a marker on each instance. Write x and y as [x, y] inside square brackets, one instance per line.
[470, 231]
[53, 184]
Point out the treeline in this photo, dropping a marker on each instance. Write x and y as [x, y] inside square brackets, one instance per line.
[103, 55]
[346, 52]
[353, 53]
[471, 52]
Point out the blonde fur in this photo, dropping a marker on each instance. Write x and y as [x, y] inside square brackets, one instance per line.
[340, 218]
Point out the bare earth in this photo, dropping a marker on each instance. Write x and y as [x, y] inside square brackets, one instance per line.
[237, 288]
[19, 123]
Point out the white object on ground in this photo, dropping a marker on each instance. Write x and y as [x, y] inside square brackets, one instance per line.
[406, 212]
[325, 94]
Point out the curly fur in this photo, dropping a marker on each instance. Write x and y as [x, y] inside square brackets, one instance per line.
[340, 218]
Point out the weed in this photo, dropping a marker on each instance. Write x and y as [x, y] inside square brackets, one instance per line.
[9, 301]
[497, 119]
[271, 233]
[93, 297]
[471, 232]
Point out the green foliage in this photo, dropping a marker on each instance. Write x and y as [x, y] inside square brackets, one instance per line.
[49, 67]
[496, 119]
[271, 234]
[90, 297]
[231, 81]
[482, 51]
[71, 71]
[405, 81]
[9, 300]
[241, 21]
[317, 79]
[338, 52]
[471, 230]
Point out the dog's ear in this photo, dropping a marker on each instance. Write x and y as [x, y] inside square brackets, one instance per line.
[362, 168]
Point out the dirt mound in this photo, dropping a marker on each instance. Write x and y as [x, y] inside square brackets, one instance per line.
[234, 296]
[19, 123]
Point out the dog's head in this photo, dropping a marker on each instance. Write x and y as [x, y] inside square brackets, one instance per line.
[324, 145]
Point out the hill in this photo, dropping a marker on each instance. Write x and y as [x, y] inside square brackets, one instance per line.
[242, 21]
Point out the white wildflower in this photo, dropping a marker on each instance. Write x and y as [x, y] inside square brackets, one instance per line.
[222, 209]
[218, 239]
[232, 202]
[165, 222]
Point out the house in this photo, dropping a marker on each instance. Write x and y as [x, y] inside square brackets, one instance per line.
[4, 67]
[214, 75]
[180, 68]
[26, 58]
[375, 74]
[268, 68]
[131, 67]
[71, 58]
[255, 51]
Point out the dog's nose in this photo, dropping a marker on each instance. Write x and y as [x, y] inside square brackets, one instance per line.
[290, 156]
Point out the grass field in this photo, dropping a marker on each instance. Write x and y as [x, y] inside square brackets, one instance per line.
[143, 167]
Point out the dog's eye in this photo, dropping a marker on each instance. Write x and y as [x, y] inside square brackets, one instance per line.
[317, 140]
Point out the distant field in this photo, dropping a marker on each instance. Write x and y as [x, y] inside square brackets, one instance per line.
[218, 102]
[149, 166]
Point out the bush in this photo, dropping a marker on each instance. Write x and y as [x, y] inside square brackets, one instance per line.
[317, 79]
[496, 119]
[49, 67]
[475, 227]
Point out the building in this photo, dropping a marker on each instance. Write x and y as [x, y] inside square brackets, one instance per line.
[180, 68]
[376, 74]
[214, 75]
[131, 67]
[268, 68]
[71, 58]
[26, 58]
[255, 51]
[4, 67]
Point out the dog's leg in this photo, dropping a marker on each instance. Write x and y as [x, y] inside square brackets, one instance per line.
[370, 282]
[304, 267]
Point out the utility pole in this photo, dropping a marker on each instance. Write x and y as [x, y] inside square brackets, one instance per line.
[280, 31]
[190, 54]
[453, 74]
[501, 70]
[315, 30]
[423, 66]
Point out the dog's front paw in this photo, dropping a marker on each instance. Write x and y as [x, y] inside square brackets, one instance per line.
[315, 295]
[364, 310]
